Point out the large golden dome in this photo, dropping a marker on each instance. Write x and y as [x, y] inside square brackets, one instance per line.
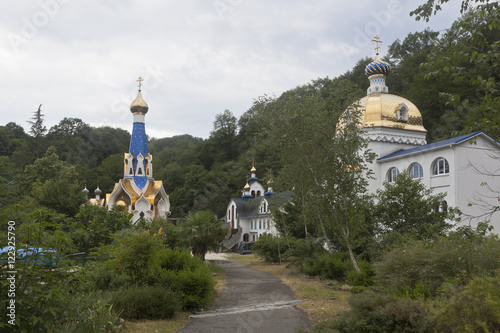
[382, 110]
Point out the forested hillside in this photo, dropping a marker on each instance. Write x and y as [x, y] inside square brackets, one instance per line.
[452, 77]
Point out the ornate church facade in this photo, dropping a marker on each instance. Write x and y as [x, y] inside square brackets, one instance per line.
[137, 192]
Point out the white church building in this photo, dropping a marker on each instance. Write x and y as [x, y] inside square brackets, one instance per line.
[461, 167]
[250, 216]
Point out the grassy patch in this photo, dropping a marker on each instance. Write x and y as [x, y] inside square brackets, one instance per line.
[158, 326]
[313, 291]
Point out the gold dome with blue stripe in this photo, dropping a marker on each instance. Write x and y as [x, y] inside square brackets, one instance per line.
[377, 66]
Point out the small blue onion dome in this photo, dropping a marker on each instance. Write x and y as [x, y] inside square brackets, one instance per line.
[85, 191]
[377, 66]
[97, 190]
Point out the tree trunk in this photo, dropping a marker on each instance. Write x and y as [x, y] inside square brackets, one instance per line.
[327, 240]
[345, 233]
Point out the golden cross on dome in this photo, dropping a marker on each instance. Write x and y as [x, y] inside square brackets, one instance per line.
[377, 40]
[140, 79]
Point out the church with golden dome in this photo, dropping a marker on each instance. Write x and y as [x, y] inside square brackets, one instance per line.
[458, 167]
[137, 192]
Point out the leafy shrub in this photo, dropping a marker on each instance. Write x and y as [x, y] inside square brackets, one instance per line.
[143, 260]
[332, 266]
[166, 231]
[88, 314]
[194, 286]
[302, 250]
[177, 260]
[475, 309]
[145, 302]
[338, 266]
[453, 257]
[420, 291]
[271, 248]
[358, 289]
[101, 276]
[365, 278]
[376, 312]
[136, 255]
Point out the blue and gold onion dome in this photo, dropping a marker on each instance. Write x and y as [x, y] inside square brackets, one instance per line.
[139, 105]
[377, 66]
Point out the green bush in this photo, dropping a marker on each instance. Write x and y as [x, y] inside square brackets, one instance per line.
[338, 266]
[136, 255]
[195, 287]
[381, 313]
[302, 250]
[332, 266]
[145, 302]
[454, 257]
[100, 276]
[88, 314]
[177, 260]
[358, 289]
[143, 260]
[271, 248]
[420, 291]
[475, 309]
[365, 278]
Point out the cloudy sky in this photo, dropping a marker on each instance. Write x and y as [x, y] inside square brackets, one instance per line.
[81, 59]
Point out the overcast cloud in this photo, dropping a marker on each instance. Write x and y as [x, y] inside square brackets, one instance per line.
[198, 57]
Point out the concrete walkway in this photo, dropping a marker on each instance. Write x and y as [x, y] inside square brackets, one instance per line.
[251, 302]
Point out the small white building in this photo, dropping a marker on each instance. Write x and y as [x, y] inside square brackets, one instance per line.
[250, 216]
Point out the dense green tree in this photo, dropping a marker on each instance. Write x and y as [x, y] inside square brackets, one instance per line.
[94, 225]
[326, 159]
[431, 7]
[466, 58]
[37, 131]
[357, 74]
[53, 183]
[408, 207]
[201, 232]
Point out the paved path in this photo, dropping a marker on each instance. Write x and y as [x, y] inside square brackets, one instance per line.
[251, 302]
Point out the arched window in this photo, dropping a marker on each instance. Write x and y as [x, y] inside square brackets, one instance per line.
[416, 171]
[444, 206]
[391, 175]
[402, 113]
[440, 167]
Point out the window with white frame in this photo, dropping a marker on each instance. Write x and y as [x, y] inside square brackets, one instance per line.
[415, 171]
[440, 167]
[391, 175]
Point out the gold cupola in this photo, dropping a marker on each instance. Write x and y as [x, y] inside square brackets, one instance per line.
[139, 106]
[379, 109]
